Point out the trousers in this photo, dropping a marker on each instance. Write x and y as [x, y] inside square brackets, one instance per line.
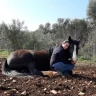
[63, 68]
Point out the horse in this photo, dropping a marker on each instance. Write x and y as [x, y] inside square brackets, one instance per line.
[24, 62]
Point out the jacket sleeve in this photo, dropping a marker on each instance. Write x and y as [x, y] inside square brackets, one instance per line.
[53, 58]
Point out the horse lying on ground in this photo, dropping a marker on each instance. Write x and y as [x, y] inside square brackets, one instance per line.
[30, 62]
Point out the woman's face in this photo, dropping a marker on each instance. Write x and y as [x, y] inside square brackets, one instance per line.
[66, 45]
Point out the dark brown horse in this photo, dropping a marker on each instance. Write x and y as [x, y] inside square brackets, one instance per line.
[30, 62]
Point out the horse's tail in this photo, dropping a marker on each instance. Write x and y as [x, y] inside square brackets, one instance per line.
[6, 70]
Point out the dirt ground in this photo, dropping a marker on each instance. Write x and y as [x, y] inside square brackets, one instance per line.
[82, 84]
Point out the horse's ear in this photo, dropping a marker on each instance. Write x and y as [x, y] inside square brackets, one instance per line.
[69, 39]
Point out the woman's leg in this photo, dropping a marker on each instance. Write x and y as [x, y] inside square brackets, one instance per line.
[63, 68]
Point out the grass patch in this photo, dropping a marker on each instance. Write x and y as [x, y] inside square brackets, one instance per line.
[88, 60]
[4, 54]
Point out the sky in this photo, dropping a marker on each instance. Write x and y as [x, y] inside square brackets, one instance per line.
[36, 12]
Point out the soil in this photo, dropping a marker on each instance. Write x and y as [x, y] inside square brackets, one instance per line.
[82, 84]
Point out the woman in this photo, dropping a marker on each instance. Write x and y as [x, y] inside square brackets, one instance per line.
[60, 59]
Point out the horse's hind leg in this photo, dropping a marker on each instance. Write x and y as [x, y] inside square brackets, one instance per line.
[33, 70]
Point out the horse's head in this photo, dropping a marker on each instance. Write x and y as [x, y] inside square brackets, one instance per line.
[73, 48]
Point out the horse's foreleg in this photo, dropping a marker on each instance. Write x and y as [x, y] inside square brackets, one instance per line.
[34, 71]
[50, 73]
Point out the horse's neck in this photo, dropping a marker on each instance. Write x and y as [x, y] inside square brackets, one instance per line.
[50, 50]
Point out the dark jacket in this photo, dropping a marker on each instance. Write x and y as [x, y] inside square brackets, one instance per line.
[60, 55]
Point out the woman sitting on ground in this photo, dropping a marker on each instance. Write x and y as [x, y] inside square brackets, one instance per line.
[60, 59]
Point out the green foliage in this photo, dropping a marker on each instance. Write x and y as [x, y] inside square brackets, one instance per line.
[91, 12]
[3, 53]
[14, 34]
[87, 60]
